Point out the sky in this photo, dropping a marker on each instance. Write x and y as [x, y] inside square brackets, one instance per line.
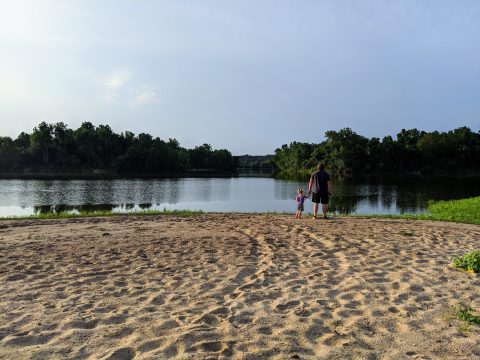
[245, 75]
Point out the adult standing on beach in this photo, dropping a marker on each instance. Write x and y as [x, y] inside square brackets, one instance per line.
[320, 187]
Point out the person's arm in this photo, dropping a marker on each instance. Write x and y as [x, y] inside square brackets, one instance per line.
[310, 185]
[329, 183]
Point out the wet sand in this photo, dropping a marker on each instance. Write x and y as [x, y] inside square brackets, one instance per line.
[235, 286]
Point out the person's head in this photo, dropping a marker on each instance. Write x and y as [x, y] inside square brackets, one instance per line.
[300, 191]
[320, 166]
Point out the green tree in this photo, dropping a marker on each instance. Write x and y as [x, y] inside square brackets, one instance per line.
[23, 141]
[201, 157]
[64, 146]
[107, 146]
[86, 141]
[347, 151]
[9, 154]
[409, 156]
[41, 141]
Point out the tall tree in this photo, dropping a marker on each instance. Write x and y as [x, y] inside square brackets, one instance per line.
[86, 141]
[41, 141]
[63, 145]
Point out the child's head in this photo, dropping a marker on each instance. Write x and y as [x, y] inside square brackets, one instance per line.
[300, 191]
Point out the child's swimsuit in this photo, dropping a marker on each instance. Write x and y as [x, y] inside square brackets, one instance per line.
[300, 199]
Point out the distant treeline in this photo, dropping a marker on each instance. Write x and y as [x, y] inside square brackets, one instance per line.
[256, 162]
[55, 147]
[344, 152]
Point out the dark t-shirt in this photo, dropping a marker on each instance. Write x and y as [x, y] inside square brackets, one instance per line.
[320, 181]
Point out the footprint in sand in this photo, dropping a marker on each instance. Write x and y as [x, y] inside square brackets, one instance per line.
[82, 324]
[149, 346]
[125, 353]
[212, 346]
[288, 305]
[30, 340]
[208, 319]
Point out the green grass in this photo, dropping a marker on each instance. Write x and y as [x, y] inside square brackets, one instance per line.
[106, 213]
[463, 211]
[467, 314]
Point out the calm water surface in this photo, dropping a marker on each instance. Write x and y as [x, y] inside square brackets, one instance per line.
[235, 194]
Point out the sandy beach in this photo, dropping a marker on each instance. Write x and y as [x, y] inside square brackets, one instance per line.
[235, 286]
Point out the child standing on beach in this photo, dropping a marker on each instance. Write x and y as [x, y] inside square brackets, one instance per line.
[299, 199]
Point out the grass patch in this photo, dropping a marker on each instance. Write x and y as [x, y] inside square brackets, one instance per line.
[106, 213]
[463, 211]
[467, 314]
[470, 261]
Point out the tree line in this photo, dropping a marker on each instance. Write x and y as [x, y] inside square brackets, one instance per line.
[345, 152]
[55, 147]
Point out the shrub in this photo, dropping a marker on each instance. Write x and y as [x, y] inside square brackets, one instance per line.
[469, 261]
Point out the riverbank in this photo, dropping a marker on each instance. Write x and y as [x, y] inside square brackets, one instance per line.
[235, 285]
[466, 211]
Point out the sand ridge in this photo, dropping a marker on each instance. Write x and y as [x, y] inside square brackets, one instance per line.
[234, 286]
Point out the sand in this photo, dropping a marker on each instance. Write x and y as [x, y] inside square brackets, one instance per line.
[235, 286]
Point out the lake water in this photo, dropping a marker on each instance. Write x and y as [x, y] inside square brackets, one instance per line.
[233, 194]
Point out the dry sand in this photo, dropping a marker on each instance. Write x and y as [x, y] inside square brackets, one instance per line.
[229, 285]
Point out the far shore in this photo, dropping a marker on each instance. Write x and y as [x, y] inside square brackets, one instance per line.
[108, 175]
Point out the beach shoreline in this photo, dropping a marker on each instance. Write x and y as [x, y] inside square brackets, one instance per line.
[243, 286]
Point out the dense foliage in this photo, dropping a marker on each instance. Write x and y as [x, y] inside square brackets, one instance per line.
[413, 151]
[56, 147]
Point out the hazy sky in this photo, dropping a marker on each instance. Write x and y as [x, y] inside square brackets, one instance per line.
[247, 75]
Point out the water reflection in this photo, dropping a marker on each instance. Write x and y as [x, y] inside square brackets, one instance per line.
[387, 194]
[243, 194]
[44, 209]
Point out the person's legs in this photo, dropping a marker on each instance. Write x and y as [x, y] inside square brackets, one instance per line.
[315, 209]
[325, 210]
[324, 201]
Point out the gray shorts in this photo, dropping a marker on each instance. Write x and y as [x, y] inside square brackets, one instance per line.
[300, 206]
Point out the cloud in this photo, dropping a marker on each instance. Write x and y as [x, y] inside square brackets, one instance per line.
[146, 95]
[116, 84]
[118, 80]
[122, 86]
